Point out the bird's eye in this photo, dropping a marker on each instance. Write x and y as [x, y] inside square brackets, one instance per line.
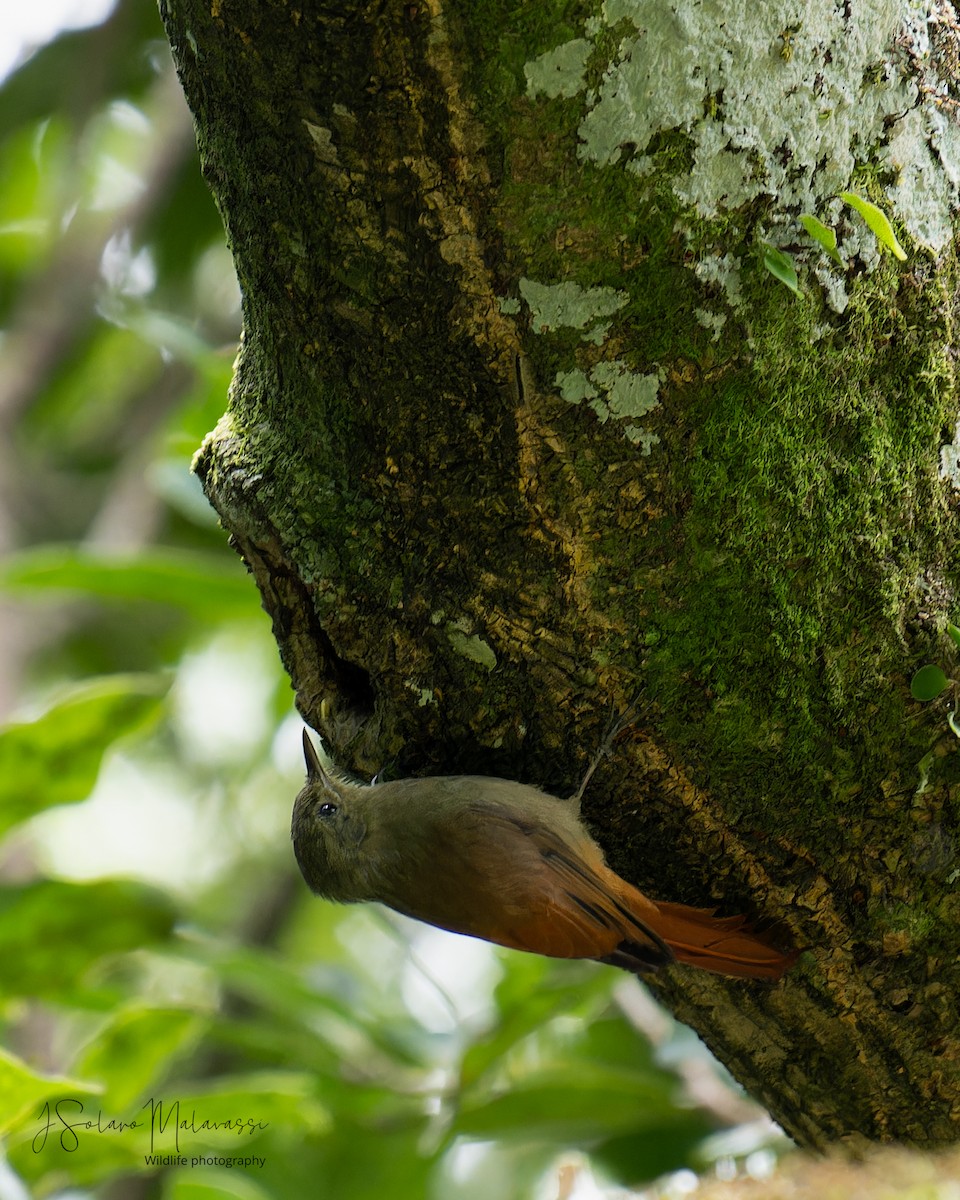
[327, 809]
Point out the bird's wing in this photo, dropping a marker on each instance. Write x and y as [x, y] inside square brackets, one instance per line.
[509, 879]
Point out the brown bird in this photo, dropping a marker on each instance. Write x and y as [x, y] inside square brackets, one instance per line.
[505, 862]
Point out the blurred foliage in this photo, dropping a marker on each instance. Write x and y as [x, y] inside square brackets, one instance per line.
[217, 1012]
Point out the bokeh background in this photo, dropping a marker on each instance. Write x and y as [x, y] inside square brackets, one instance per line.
[156, 941]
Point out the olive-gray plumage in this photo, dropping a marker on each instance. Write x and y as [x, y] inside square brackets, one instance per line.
[502, 861]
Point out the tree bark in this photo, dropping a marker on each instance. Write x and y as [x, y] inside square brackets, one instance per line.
[524, 427]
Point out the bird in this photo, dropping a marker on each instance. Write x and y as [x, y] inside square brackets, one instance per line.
[508, 863]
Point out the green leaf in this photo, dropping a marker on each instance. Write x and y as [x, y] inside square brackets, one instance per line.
[134, 1048]
[636, 1158]
[954, 633]
[581, 1104]
[531, 993]
[33, 164]
[56, 758]
[23, 1091]
[291, 1003]
[781, 267]
[52, 932]
[878, 222]
[928, 683]
[208, 586]
[823, 234]
[951, 721]
[87, 405]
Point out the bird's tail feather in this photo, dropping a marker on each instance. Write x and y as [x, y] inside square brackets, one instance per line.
[724, 945]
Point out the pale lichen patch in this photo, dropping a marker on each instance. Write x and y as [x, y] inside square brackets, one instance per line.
[779, 101]
[950, 460]
[559, 72]
[423, 695]
[794, 101]
[655, 83]
[554, 305]
[923, 193]
[574, 386]
[723, 270]
[644, 438]
[627, 394]
[834, 287]
[614, 393]
[472, 646]
[323, 143]
[711, 320]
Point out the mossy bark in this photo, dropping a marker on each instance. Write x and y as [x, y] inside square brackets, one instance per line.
[467, 571]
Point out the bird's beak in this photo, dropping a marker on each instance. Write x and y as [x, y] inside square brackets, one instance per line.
[314, 769]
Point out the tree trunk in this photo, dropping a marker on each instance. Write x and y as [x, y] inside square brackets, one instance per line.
[525, 425]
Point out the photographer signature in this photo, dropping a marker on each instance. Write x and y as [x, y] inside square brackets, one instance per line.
[67, 1116]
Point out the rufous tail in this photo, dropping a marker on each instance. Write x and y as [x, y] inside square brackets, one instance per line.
[724, 945]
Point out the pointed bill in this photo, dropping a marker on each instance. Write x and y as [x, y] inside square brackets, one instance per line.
[315, 771]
